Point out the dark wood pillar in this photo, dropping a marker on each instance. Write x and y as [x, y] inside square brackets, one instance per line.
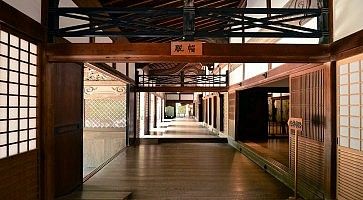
[200, 108]
[221, 112]
[330, 144]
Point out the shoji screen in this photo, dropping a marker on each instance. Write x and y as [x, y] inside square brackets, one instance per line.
[18, 95]
[350, 128]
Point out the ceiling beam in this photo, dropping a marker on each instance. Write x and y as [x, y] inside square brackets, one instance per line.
[160, 52]
[97, 4]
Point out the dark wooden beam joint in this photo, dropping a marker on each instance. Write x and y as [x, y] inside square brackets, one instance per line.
[189, 20]
[323, 23]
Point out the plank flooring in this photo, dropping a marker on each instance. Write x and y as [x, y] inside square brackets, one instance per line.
[186, 171]
[277, 149]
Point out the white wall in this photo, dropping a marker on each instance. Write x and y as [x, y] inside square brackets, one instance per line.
[236, 75]
[348, 17]
[132, 70]
[31, 8]
[253, 69]
[121, 67]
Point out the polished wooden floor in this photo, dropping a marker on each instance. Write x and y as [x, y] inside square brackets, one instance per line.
[274, 148]
[186, 171]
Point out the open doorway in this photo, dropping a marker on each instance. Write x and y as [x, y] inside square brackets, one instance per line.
[262, 118]
[104, 132]
[181, 110]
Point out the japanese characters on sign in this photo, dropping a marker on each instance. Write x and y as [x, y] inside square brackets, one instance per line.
[186, 48]
[296, 124]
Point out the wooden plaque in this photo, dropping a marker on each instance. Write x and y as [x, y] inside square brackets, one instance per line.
[186, 48]
[296, 124]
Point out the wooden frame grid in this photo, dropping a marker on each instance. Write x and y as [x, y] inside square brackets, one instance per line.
[350, 102]
[18, 94]
[307, 102]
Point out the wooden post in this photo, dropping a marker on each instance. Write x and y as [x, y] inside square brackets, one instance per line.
[181, 79]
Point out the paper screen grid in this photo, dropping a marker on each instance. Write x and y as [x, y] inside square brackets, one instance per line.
[350, 105]
[18, 95]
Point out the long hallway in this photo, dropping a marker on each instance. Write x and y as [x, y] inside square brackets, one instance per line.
[182, 128]
[186, 171]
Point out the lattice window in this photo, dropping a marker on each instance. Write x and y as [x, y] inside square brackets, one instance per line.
[350, 103]
[105, 113]
[307, 102]
[18, 95]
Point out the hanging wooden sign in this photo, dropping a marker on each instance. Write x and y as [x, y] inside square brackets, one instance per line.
[186, 48]
[296, 124]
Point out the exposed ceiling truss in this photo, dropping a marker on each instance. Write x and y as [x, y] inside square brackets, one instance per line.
[189, 23]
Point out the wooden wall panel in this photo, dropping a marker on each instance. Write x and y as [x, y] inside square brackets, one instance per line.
[231, 105]
[19, 177]
[146, 114]
[225, 113]
[137, 131]
[307, 102]
[216, 116]
[131, 120]
[349, 181]
[310, 163]
[206, 111]
[349, 95]
[307, 91]
[210, 110]
[68, 127]
[231, 114]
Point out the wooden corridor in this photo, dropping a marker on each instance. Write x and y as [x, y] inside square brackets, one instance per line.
[186, 171]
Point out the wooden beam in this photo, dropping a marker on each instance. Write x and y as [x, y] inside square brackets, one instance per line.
[273, 75]
[348, 46]
[182, 89]
[160, 52]
[98, 4]
[20, 22]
